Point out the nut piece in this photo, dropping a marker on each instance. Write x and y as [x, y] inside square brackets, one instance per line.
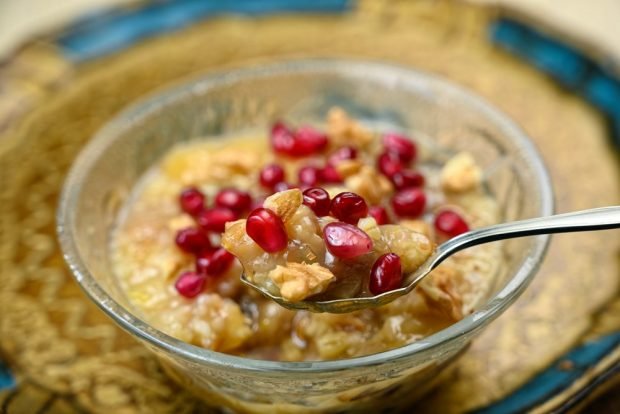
[371, 185]
[413, 248]
[284, 203]
[461, 173]
[440, 294]
[297, 281]
[345, 131]
[347, 168]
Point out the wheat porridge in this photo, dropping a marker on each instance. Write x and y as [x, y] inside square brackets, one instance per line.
[334, 211]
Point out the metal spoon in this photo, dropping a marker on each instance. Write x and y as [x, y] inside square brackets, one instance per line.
[594, 219]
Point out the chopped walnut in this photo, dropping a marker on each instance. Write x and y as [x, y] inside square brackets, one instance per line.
[297, 281]
[370, 184]
[284, 203]
[413, 248]
[347, 168]
[419, 226]
[345, 131]
[461, 173]
[439, 291]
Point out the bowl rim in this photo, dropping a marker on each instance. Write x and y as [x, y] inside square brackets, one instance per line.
[158, 100]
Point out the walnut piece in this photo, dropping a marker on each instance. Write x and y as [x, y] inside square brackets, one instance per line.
[370, 184]
[461, 173]
[346, 168]
[284, 203]
[297, 281]
[345, 131]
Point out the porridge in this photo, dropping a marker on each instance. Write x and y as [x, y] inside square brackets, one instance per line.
[309, 215]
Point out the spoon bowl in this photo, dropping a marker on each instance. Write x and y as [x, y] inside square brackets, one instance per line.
[594, 219]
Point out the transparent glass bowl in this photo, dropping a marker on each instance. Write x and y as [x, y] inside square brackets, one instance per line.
[103, 175]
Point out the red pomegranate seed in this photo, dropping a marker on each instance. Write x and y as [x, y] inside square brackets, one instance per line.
[308, 141]
[386, 274]
[346, 241]
[215, 219]
[450, 223]
[318, 200]
[190, 284]
[271, 175]
[282, 186]
[407, 179]
[349, 207]
[330, 175]
[389, 164]
[341, 154]
[409, 202]
[192, 201]
[400, 145]
[309, 175]
[192, 240]
[282, 139]
[379, 214]
[214, 263]
[267, 230]
[234, 199]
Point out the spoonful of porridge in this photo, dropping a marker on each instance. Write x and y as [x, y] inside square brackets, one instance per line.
[360, 264]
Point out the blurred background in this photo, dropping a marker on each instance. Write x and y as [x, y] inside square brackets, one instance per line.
[67, 67]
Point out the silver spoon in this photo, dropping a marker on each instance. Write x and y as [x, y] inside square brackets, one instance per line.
[594, 219]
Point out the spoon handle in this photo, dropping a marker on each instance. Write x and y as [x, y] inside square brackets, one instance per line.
[593, 219]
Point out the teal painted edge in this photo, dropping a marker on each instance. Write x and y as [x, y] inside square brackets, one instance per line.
[7, 381]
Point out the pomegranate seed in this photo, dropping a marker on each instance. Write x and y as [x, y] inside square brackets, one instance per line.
[215, 219]
[341, 154]
[407, 179]
[271, 175]
[409, 202]
[214, 263]
[318, 200]
[192, 201]
[190, 284]
[309, 175]
[282, 186]
[282, 139]
[303, 142]
[308, 141]
[450, 223]
[389, 164]
[267, 230]
[379, 214]
[192, 240]
[330, 175]
[349, 207]
[346, 241]
[386, 274]
[400, 145]
[236, 200]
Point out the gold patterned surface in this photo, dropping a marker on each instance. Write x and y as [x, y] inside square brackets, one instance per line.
[57, 341]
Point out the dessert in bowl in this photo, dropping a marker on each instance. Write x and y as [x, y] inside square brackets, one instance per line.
[145, 204]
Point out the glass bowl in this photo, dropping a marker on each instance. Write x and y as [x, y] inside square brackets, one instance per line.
[224, 103]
